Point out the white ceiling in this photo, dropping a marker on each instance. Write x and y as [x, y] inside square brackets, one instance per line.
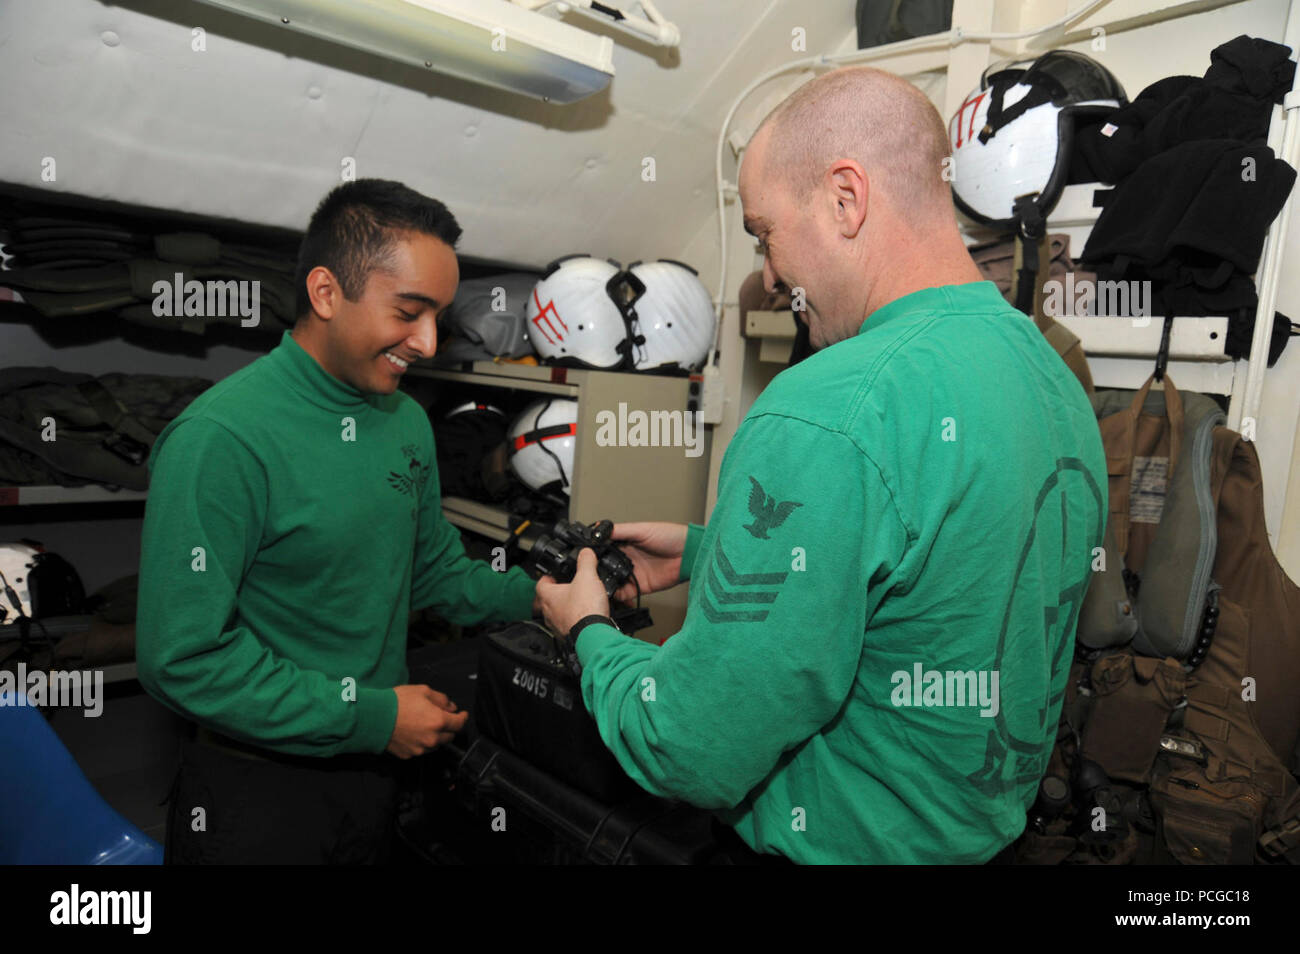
[256, 127]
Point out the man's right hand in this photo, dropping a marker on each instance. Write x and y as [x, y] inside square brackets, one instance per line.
[425, 719]
[655, 550]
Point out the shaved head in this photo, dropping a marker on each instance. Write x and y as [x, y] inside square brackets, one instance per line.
[843, 187]
[877, 119]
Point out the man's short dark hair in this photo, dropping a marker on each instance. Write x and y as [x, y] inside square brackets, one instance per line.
[351, 232]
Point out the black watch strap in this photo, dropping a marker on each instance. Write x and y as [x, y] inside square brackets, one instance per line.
[568, 643]
[586, 621]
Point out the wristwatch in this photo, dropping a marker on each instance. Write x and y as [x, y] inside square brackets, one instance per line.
[569, 643]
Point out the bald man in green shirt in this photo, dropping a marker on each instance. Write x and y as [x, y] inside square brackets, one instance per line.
[883, 603]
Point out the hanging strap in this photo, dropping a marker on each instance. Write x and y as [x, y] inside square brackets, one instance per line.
[1029, 269]
[1173, 410]
[1119, 438]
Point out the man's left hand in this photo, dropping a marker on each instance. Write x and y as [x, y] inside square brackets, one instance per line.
[563, 604]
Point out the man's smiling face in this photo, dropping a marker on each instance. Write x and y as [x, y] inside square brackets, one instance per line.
[370, 341]
[787, 236]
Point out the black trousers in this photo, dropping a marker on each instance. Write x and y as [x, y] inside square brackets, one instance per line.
[229, 809]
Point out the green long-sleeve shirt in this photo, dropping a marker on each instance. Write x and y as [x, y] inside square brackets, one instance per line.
[921, 499]
[292, 523]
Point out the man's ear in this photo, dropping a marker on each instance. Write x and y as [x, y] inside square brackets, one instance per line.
[323, 291]
[850, 190]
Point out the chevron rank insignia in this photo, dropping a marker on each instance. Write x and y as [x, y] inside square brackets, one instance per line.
[732, 597]
[767, 513]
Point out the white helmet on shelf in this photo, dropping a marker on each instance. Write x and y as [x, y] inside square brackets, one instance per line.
[1013, 137]
[674, 315]
[541, 443]
[16, 562]
[575, 317]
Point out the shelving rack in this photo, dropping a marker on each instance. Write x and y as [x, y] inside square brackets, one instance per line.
[618, 483]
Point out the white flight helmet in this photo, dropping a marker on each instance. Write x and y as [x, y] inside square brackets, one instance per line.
[674, 314]
[575, 317]
[1013, 137]
[16, 562]
[477, 407]
[541, 443]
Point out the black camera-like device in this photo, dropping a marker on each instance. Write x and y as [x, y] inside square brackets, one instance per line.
[557, 554]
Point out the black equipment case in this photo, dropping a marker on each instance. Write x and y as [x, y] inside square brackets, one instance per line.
[531, 746]
[531, 703]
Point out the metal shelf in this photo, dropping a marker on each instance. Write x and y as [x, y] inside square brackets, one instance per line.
[519, 376]
[1205, 377]
[610, 480]
[1190, 338]
[94, 493]
[775, 332]
[120, 672]
[527, 377]
[484, 519]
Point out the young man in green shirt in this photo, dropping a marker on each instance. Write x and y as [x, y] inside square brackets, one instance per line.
[883, 603]
[293, 522]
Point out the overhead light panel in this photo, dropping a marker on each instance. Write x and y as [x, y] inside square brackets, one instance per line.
[487, 41]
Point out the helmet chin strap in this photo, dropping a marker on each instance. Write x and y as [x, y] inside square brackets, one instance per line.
[1044, 91]
[624, 290]
[1031, 227]
[540, 431]
[633, 340]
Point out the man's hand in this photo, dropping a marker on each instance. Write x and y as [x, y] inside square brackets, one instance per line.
[563, 604]
[655, 550]
[425, 719]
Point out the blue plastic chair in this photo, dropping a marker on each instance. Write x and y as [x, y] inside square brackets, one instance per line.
[50, 814]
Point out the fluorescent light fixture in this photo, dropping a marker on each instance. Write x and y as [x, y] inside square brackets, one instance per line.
[488, 41]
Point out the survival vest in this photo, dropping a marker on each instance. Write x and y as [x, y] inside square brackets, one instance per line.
[104, 427]
[1178, 734]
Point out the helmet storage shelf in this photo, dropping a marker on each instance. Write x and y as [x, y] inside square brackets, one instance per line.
[639, 453]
